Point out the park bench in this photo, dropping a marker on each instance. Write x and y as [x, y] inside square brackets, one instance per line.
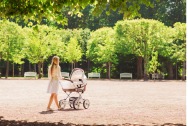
[126, 75]
[65, 74]
[90, 75]
[30, 74]
[157, 76]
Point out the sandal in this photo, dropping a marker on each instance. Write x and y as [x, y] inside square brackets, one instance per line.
[49, 109]
[60, 109]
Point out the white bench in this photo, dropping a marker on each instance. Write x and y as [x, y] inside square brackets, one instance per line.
[30, 74]
[126, 75]
[157, 76]
[65, 74]
[94, 75]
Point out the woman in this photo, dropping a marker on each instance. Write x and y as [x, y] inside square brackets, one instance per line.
[54, 74]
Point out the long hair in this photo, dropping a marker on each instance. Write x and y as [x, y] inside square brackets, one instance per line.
[55, 61]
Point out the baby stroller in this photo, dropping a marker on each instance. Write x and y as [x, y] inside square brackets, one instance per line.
[77, 83]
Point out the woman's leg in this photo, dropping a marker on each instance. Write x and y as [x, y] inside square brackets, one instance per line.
[56, 101]
[50, 100]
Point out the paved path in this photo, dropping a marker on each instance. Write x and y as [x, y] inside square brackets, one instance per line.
[112, 102]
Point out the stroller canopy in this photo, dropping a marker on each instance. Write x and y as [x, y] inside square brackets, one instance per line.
[78, 75]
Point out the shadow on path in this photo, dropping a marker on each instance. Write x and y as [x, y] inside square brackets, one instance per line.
[4, 122]
[54, 111]
[46, 112]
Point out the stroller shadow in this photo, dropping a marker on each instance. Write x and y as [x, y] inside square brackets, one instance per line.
[71, 109]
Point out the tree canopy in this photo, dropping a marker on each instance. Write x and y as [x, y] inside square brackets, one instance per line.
[101, 47]
[52, 9]
[159, 43]
[11, 41]
[141, 37]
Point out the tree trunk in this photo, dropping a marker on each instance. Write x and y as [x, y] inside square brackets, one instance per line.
[145, 68]
[12, 69]
[42, 66]
[145, 61]
[88, 65]
[106, 70]
[30, 66]
[22, 69]
[75, 64]
[35, 68]
[109, 74]
[108, 66]
[170, 71]
[184, 70]
[0, 66]
[139, 68]
[7, 69]
[72, 66]
[176, 71]
[39, 70]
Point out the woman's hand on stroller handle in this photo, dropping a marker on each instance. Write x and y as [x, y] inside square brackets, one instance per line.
[68, 80]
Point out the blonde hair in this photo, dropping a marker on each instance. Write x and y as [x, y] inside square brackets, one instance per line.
[55, 61]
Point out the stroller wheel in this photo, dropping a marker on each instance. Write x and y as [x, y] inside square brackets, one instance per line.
[62, 103]
[76, 104]
[71, 100]
[71, 105]
[86, 103]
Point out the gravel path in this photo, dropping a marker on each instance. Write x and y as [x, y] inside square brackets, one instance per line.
[113, 102]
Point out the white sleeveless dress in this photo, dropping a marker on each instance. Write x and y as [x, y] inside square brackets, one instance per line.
[54, 79]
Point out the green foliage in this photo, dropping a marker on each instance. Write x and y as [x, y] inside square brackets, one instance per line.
[97, 69]
[66, 35]
[180, 41]
[12, 42]
[175, 48]
[82, 36]
[140, 37]
[56, 42]
[52, 10]
[180, 71]
[166, 11]
[101, 46]
[153, 63]
[88, 20]
[73, 51]
[146, 38]
[42, 42]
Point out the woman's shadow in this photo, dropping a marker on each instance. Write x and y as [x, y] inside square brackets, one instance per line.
[47, 112]
[54, 111]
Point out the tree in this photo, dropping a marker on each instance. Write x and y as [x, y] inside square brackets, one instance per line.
[73, 52]
[140, 37]
[11, 41]
[88, 20]
[101, 48]
[179, 45]
[166, 11]
[51, 10]
[82, 36]
[56, 42]
[153, 63]
[42, 42]
[175, 49]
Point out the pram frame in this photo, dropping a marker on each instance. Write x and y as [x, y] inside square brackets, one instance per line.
[74, 102]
